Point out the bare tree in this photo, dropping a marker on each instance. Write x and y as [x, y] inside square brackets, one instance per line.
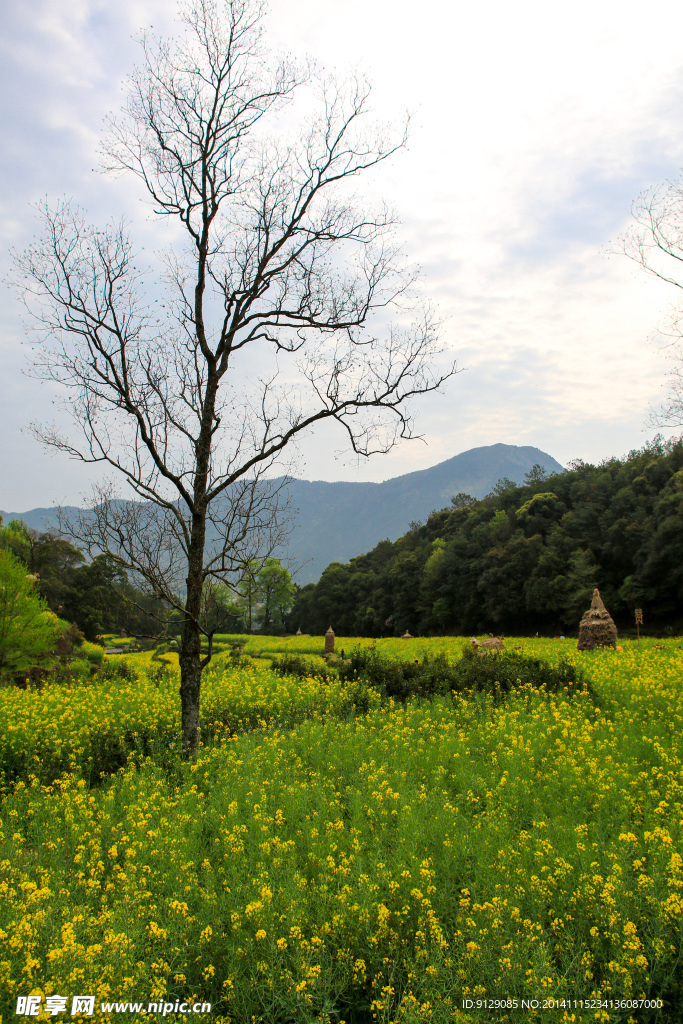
[655, 242]
[279, 261]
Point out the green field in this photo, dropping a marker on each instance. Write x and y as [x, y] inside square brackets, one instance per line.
[323, 863]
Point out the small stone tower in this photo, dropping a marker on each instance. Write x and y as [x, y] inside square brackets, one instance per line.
[329, 641]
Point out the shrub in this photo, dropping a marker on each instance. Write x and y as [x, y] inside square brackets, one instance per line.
[94, 653]
[28, 630]
[236, 654]
[78, 672]
[505, 671]
[398, 679]
[359, 699]
[303, 665]
[160, 672]
[117, 668]
[69, 644]
[497, 673]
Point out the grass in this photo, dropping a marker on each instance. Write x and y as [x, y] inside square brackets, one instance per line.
[317, 864]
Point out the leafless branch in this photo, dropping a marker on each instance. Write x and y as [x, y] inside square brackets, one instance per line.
[288, 305]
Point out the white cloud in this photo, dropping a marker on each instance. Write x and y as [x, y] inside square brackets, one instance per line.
[535, 125]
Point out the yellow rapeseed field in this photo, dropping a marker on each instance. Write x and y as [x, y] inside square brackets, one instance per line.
[435, 861]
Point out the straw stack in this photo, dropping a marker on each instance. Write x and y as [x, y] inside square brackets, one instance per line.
[597, 627]
[494, 643]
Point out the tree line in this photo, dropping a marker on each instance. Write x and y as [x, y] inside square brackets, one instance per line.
[98, 597]
[522, 560]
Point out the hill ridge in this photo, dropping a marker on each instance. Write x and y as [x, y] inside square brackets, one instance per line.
[342, 518]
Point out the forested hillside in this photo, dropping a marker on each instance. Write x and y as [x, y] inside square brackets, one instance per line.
[99, 598]
[522, 560]
[96, 596]
[333, 521]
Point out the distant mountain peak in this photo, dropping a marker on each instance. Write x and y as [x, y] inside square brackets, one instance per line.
[337, 520]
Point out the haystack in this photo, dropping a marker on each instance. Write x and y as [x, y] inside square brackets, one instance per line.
[329, 641]
[495, 643]
[597, 628]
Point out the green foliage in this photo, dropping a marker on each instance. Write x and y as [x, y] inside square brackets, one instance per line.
[274, 592]
[493, 673]
[70, 645]
[397, 679]
[117, 669]
[541, 506]
[536, 475]
[56, 561]
[500, 672]
[16, 538]
[522, 560]
[303, 665]
[461, 500]
[236, 654]
[361, 698]
[96, 601]
[29, 632]
[97, 596]
[247, 594]
[365, 851]
[360, 852]
[93, 652]
[230, 610]
[503, 485]
[265, 594]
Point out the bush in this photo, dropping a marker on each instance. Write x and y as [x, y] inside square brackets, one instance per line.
[359, 699]
[117, 668]
[160, 672]
[505, 671]
[94, 653]
[398, 679]
[303, 665]
[78, 672]
[29, 632]
[236, 654]
[496, 673]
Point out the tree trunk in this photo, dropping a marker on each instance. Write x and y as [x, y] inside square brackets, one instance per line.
[191, 646]
[190, 684]
[191, 643]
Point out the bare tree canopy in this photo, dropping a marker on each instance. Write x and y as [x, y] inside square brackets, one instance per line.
[655, 242]
[283, 303]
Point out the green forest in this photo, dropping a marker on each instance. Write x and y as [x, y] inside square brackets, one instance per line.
[523, 559]
[99, 598]
[96, 595]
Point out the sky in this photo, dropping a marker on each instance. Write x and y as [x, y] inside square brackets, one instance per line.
[534, 128]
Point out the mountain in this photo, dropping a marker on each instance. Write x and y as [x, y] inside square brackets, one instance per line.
[336, 521]
[39, 519]
[523, 562]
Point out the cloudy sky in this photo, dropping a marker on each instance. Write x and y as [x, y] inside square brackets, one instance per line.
[535, 127]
